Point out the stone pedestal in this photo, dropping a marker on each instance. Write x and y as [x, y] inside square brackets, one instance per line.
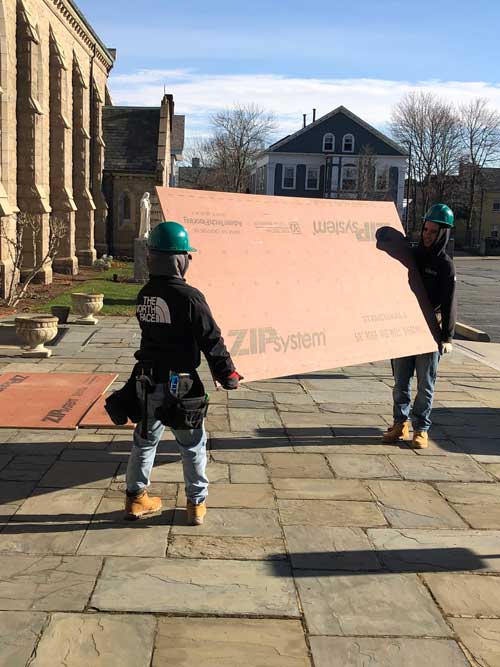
[141, 273]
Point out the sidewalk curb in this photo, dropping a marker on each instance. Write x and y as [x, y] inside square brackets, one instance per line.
[470, 333]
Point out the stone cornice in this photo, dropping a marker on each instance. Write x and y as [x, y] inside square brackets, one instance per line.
[79, 24]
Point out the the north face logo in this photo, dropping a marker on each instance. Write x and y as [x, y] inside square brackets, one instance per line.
[153, 309]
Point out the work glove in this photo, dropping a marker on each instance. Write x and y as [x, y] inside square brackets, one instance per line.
[446, 348]
[233, 381]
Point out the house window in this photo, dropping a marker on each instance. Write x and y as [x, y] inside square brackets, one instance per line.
[260, 180]
[328, 143]
[381, 178]
[288, 178]
[312, 178]
[124, 208]
[348, 143]
[496, 206]
[349, 177]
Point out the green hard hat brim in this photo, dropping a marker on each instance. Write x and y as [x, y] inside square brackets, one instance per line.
[173, 250]
[438, 222]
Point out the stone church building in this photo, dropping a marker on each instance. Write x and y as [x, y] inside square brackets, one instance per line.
[53, 76]
[143, 146]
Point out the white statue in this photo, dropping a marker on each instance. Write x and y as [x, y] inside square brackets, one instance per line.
[145, 225]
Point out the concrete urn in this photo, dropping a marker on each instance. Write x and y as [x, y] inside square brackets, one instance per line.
[35, 331]
[87, 305]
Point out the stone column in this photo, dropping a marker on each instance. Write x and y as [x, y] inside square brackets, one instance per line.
[84, 229]
[32, 197]
[61, 187]
[97, 161]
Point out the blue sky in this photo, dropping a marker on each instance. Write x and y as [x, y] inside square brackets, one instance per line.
[292, 56]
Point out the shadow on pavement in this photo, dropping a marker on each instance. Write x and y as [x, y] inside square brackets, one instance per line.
[391, 561]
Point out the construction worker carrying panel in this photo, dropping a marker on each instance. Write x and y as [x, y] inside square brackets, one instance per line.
[176, 325]
[438, 274]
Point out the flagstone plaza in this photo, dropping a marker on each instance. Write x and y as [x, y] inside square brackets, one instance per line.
[321, 546]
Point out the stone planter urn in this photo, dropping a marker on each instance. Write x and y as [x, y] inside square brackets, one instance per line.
[87, 305]
[35, 332]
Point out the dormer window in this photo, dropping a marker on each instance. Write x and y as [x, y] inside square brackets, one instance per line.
[328, 143]
[348, 143]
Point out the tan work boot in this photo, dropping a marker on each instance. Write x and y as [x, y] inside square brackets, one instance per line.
[137, 506]
[196, 513]
[420, 440]
[396, 432]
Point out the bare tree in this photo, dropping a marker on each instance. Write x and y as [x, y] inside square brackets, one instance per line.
[480, 134]
[239, 134]
[429, 126]
[366, 172]
[25, 236]
[197, 170]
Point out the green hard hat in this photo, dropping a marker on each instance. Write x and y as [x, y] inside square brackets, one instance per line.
[440, 214]
[169, 237]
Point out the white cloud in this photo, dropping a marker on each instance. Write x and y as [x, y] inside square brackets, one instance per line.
[199, 95]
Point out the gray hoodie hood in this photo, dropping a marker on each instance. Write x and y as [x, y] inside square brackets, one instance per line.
[167, 264]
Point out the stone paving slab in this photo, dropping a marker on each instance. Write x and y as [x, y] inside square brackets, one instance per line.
[356, 445]
[99, 640]
[42, 537]
[74, 474]
[437, 550]
[465, 594]
[237, 495]
[4, 459]
[321, 489]
[47, 583]
[453, 469]
[228, 548]
[297, 465]
[213, 642]
[237, 457]
[26, 468]
[274, 440]
[6, 511]
[368, 604]
[232, 523]
[330, 513]
[18, 636]
[248, 419]
[248, 474]
[109, 535]
[387, 652]
[414, 505]
[481, 639]
[362, 466]
[330, 548]
[481, 450]
[196, 586]
[63, 504]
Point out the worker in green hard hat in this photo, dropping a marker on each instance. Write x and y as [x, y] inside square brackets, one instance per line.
[176, 326]
[437, 271]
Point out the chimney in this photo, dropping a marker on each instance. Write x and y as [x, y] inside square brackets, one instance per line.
[195, 162]
[305, 116]
[314, 115]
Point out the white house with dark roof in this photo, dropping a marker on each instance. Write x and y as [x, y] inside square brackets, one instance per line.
[337, 156]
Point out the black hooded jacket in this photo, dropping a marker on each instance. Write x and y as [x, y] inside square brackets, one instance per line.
[438, 275]
[177, 324]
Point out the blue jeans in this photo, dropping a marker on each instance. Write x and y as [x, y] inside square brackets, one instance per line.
[191, 443]
[426, 366]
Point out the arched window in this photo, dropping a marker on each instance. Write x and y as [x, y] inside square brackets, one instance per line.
[328, 143]
[348, 143]
[124, 208]
[349, 177]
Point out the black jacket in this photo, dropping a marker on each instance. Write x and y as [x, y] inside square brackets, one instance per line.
[176, 325]
[438, 274]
